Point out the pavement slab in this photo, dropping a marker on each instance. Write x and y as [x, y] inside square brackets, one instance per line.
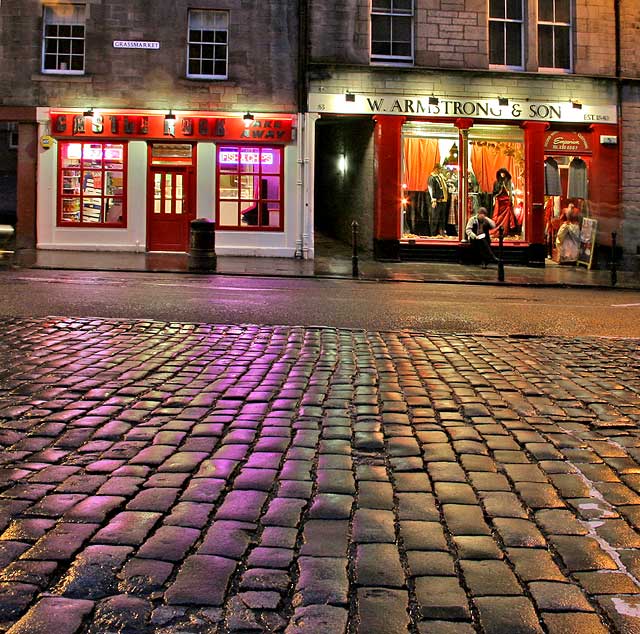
[237, 478]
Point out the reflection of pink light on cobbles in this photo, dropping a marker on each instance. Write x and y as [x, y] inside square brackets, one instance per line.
[202, 477]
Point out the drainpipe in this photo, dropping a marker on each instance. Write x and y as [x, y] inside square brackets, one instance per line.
[301, 250]
[616, 12]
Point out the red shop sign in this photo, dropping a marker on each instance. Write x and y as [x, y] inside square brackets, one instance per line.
[69, 125]
[566, 143]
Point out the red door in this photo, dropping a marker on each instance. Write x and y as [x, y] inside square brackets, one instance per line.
[169, 209]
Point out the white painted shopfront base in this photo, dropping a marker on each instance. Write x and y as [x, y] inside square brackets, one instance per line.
[133, 238]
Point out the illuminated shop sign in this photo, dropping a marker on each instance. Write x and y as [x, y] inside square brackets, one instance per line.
[119, 124]
[566, 142]
[247, 157]
[514, 109]
[93, 152]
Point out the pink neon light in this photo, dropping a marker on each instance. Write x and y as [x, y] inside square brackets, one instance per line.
[247, 157]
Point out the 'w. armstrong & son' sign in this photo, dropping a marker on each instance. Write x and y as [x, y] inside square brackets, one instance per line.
[520, 110]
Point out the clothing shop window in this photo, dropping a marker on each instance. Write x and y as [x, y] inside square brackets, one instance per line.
[92, 184]
[63, 39]
[208, 44]
[505, 33]
[430, 172]
[497, 178]
[392, 31]
[554, 34]
[250, 188]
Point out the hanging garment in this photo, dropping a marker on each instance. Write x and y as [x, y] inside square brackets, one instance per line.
[552, 185]
[578, 185]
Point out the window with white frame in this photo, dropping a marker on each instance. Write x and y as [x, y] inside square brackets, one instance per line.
[554, 34]
[63, 39]
[505, 33]
[208, 44]
[392, 31]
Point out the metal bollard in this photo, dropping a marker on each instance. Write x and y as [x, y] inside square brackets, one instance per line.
[614, 272]
[6, 233]
[202, 245]
[500, 254]
[354, 253]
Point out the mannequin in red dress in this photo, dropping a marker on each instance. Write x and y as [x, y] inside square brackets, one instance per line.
[503, 214]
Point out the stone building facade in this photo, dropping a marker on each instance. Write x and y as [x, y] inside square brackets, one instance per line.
[385, 77]
[196, 107]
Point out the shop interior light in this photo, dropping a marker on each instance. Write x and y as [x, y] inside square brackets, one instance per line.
[433, 101]
[88, 113]
[576, 104]
[503, 101]
[349, 96]
[170, 116]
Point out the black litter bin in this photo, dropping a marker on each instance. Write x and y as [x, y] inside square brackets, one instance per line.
[202, 245]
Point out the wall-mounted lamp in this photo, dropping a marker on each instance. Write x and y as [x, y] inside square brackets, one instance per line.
[433, 101]
[503, 101]
[349, 96]
[170, 124]
[576, 104]
[88, 113]
[247, 118]
[343, 164]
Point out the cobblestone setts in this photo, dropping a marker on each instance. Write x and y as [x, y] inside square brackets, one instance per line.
[183, 478]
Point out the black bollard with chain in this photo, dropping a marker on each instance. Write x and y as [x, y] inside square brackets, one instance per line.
[354, 244]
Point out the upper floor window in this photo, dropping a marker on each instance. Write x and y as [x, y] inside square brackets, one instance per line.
[208, 44]
[554, 34]
[63, 39]
[392, 30]
[505, 33]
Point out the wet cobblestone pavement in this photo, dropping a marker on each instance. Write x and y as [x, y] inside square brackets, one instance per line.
[184, 478]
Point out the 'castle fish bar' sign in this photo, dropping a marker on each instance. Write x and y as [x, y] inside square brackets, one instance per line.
[519, 110]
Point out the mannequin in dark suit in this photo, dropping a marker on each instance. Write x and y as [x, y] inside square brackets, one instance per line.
[439, 192]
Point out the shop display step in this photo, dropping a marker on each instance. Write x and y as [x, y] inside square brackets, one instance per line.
[458, 253]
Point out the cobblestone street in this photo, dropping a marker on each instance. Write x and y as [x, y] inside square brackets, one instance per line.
[175, 478]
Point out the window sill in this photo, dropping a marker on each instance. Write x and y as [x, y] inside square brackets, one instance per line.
[78, 79]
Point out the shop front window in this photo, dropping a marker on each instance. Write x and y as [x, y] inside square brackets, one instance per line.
[432, 208]
[249, 191]
[430, 181]
[496, 177]
[92, 184]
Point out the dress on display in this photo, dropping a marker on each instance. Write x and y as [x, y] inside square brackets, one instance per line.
[503, 214]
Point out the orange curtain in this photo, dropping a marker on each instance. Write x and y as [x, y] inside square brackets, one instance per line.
[488, 158]
[420, 157]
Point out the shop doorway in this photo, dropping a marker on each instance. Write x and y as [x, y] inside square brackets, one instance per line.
[170, 207]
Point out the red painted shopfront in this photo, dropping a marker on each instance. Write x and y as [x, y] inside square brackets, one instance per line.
[94, 166]
[400, 208]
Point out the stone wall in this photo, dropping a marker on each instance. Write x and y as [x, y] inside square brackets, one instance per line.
[262, 61]
[631, 175]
